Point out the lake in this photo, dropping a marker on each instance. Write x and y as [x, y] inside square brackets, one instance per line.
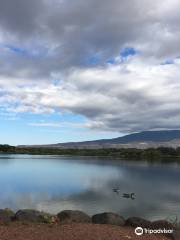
[55, 183]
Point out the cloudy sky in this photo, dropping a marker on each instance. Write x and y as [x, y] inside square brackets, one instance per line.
[75, 70]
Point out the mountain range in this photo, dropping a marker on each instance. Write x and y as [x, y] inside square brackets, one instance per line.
[145, 139]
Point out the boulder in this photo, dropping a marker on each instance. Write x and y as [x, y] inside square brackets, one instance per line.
[29, 215]
[161, 224]
[138, 222]
[175, 235]
[6, 215]
[71, 216]
[108, 218]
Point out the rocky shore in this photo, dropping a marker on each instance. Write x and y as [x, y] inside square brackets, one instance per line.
[77, 225]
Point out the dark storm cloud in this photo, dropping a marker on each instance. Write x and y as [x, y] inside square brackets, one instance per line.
[74, 31]
[20, 16]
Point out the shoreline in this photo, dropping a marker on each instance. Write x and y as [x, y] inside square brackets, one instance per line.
[151, 155]
[33, 219]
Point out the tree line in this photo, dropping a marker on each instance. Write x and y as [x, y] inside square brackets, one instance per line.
[164, 154]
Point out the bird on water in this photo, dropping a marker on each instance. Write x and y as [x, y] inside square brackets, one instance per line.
[125, 195]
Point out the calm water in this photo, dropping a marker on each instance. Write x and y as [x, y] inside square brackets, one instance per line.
[53, 183]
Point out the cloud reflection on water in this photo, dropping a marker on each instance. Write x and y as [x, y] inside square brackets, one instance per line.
[53, 185]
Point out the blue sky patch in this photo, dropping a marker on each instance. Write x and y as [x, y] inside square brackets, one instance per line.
[128, 51]
[17, 50]
[93, 60]
[111, 61]
[168, 62]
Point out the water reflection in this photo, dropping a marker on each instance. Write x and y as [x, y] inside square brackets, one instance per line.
[56, 183]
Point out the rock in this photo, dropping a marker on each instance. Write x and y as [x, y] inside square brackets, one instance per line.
[28, 215]
[138, 222]
[175, 235]
[161, 224]
[70, 216]
[6, 215]
[108, 218]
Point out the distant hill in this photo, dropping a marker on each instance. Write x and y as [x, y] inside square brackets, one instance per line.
[148, 136]
[168, 138]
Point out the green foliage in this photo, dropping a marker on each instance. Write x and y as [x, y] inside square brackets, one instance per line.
[161, 154]
[151, 154]
[7, 148]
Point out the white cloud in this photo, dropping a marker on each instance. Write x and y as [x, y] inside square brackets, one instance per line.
[46, 124]
[130, 96]
[57, 41]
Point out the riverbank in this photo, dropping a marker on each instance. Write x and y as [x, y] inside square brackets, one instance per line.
[76, 225]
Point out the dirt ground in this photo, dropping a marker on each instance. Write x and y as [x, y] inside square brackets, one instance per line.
[19, 231]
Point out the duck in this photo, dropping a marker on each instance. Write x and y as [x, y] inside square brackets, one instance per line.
[129, 195]
[116, 190]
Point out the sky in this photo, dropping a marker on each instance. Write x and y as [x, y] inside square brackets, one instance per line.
[74, 70]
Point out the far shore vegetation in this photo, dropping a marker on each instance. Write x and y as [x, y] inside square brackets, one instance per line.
[160, 154]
